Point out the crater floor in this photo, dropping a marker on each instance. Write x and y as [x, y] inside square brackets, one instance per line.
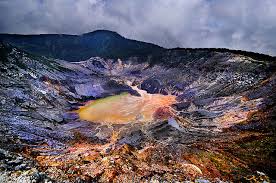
[193, 115]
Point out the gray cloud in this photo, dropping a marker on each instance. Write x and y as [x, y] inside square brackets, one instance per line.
[247, 24]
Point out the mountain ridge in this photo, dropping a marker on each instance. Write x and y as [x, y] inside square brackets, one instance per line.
[102, 43]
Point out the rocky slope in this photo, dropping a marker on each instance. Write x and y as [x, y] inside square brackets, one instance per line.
[222, 126]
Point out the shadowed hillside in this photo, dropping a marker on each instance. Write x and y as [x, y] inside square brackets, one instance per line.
[100, 43]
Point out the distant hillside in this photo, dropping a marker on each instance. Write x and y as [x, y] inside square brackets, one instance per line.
[100, 43]
[105, 44]
[256, 56]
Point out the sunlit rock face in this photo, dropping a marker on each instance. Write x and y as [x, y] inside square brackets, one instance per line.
[176, 116]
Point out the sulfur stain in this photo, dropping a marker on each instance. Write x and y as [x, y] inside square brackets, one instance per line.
[125, 108]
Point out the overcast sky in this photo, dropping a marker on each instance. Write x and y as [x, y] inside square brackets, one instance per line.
[237, 24]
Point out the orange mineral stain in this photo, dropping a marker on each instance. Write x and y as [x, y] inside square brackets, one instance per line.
[125, 108]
